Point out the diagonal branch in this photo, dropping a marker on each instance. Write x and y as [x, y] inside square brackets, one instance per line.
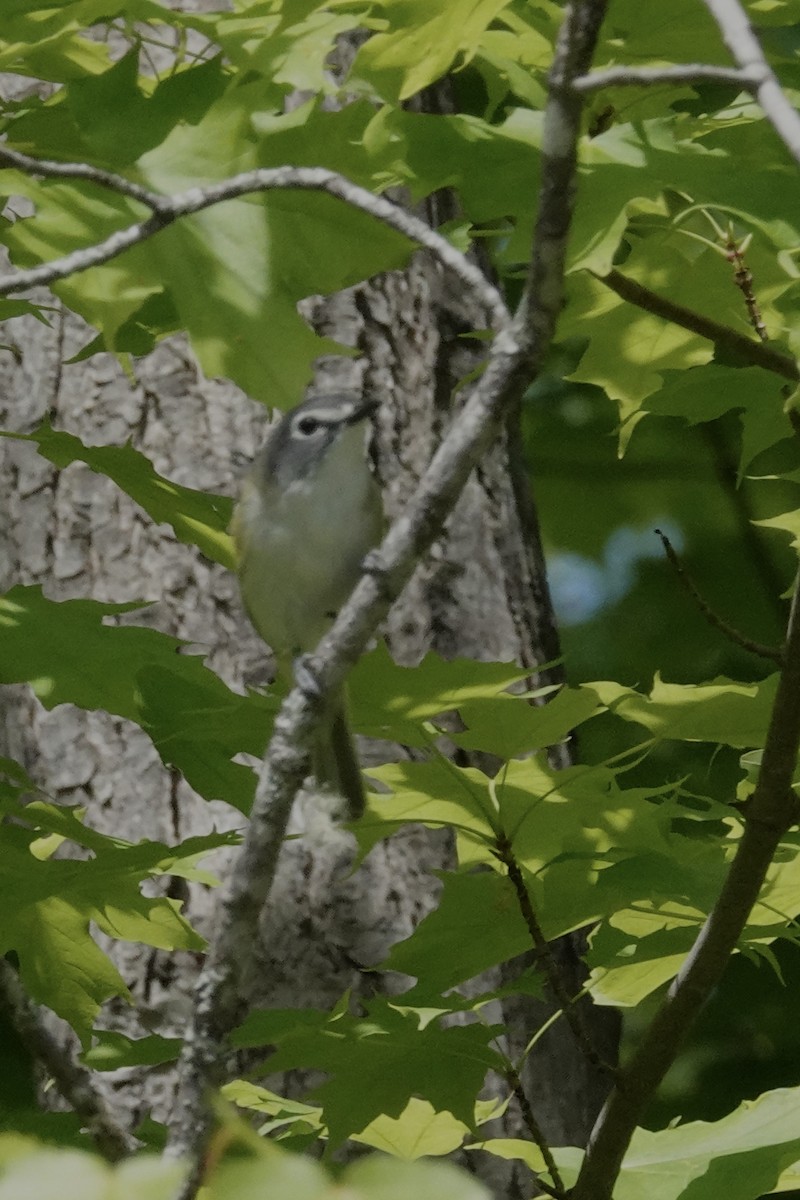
[747, 80]
[47, 169]
[771, 812]
[756, 353]
[516, 355]
[558, 1191]
[745, 49]
[77, 1085]
[544, 955]
[168, 209]
[773, 653]
[218, 1001]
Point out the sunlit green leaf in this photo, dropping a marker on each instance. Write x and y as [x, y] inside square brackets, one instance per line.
[69, 654]
[740, 1157]
[196, 517]
[56, 902]
[422, 40]
[376, 1063]
[418, 1132]
[727, 712]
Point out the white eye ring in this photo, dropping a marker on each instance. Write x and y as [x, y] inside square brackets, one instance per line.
[307, 426]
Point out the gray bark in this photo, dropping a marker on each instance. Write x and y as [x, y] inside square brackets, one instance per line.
[480, 594]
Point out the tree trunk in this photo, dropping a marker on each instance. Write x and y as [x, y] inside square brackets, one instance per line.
[481, 593]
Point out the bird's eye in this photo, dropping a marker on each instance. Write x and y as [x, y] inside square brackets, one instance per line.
[307, 426]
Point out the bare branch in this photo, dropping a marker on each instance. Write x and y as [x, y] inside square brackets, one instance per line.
[748, 80]
[516, 355]
[558, 1191]
[772, 653]
[59, 170]
[745, 50]
[543, 296]
[770, 814]
[544, 956]
[167, 209]
[753, 352]
[74, 1082]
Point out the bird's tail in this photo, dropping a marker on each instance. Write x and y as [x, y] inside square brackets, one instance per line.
[335, 759]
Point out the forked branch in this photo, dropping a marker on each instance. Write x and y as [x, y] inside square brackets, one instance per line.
[165, 210]
[745, 49]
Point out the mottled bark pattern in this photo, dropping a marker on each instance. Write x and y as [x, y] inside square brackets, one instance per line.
[75, 533]
[481, 593]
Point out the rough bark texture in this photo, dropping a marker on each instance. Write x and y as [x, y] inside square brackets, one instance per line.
[481, 594]
[76, 534]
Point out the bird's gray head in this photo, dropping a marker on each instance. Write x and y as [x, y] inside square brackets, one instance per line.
[302, 438]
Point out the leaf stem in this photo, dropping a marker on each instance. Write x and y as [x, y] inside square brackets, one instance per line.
[558, 1191]
[772, 653]
[543, 953]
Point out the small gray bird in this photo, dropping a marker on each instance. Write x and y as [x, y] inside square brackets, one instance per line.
[308, 513]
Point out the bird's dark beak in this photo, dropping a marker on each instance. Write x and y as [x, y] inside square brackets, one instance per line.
[364, 409]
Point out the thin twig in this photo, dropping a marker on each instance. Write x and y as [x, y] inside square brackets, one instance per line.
[77, 1085]
[743, 278]
[537, 1136]
[167, 209]
[773, 653]
[771, 812]
[48, 169]
[544, 955]
[689, 73]
[753, 352]
[746, 51]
